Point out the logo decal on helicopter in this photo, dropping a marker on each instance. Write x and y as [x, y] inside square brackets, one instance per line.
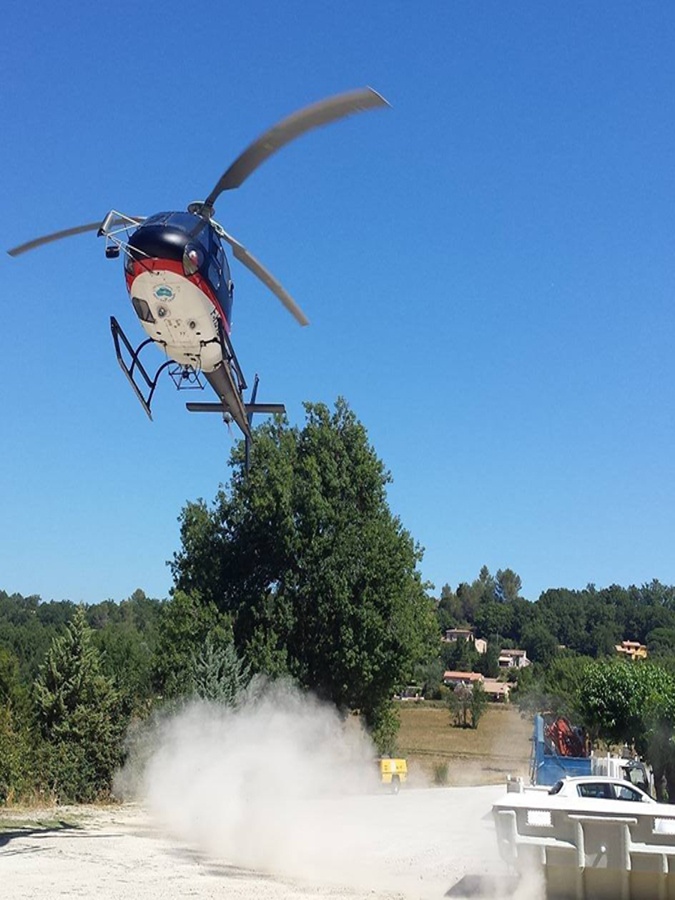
[164, 292]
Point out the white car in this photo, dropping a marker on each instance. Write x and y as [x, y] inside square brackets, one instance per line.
[599, 787]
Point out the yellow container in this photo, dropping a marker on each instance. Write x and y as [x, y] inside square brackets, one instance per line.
[393, 772]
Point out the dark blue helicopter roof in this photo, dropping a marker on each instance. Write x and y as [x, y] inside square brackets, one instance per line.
[183, 221]
[165, 235]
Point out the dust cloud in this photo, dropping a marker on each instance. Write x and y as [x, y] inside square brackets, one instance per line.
[282, 785]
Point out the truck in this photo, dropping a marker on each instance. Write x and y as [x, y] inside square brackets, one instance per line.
[560, 749]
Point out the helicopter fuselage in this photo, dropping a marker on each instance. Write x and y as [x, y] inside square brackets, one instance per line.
[179, 282]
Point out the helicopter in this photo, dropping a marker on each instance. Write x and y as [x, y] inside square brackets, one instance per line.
[179, 281]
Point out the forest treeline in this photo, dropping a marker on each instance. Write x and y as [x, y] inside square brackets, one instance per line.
[589, 622]
[126, 659]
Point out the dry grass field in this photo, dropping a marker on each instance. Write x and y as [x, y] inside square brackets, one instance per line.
[500, 746]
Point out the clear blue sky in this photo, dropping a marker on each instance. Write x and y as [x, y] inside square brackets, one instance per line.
[488, 268]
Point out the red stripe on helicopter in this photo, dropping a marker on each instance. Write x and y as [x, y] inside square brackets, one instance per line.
[172, 265]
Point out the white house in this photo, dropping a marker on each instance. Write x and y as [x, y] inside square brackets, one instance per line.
[454, 634]
[513, 659]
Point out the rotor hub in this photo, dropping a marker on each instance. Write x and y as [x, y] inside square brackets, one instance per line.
[199, 208]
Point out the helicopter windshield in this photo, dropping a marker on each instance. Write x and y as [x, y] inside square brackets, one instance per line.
[185, 221]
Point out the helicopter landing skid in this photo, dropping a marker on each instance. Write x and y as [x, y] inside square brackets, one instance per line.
[184, 377]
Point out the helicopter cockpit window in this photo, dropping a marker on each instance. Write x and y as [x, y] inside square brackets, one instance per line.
[142, 309]
[157, 219]
[182, 221]
[214, 274]
[222, 262]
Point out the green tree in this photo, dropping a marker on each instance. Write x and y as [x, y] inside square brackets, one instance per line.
[79, 715]
[449, 609]
[508, 585]
[488, 663]
[127, 635]
[602, 639]
[12, 692]
[16, 740]
[467, 703]
[661, 642]
[429, 676]
[319, 577]
[633, 703]
[539, 643]
[219, 674]
[660, 721]
[27, 627]
[479, 702]
[384, 725]
[459, 703]
[186, 624]
[617, 698]
[555, 687]
[460, 655]
[494, 618]
[469, 597]
[17, 773]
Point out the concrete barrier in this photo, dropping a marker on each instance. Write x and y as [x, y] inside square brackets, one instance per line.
[622, 850]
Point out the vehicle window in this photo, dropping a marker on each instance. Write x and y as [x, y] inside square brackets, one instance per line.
[597, 790]
[183, 221]
[143, 311]
[625, 792]
[556, 788]
[637, 776]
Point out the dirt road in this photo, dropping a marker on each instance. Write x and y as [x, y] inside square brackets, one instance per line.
[421, 843]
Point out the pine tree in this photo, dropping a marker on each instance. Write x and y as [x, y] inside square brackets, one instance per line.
[79, 715]
[219, 674]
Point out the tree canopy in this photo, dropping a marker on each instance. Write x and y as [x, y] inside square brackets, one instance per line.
[304, 556]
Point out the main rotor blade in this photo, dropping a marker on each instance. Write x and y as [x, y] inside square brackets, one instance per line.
[288, 129]
[112, 220]
[241, 253]
[55, 236]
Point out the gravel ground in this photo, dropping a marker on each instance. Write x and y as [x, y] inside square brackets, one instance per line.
[422, 843]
